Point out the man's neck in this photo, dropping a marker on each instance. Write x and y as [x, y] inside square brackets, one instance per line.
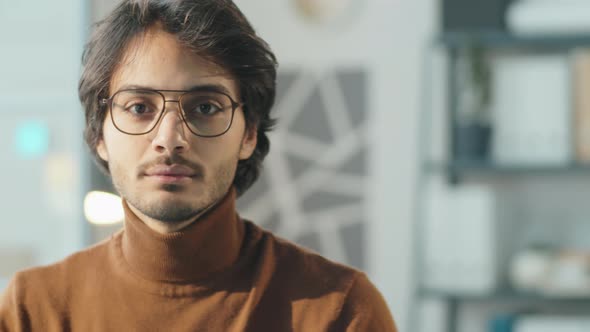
[210, 242]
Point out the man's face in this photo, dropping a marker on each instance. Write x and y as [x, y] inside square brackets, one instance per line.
[207, 165]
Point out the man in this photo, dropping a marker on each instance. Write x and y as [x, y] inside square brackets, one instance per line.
[177, 96]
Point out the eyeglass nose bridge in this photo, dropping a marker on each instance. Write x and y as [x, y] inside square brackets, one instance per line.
[163, 111]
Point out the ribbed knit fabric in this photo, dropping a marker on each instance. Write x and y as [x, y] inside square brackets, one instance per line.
[219, 274]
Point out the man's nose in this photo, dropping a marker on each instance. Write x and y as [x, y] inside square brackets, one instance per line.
[170, 132]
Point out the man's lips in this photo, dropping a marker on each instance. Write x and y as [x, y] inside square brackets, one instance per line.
[172, 171]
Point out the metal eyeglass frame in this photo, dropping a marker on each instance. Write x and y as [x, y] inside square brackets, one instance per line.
[109, 102]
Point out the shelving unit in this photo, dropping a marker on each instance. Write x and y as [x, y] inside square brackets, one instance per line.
[457, 170]
[453, 43]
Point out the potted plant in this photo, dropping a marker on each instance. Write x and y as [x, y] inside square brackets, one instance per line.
[473, 129]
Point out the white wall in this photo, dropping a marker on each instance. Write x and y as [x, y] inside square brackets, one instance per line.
[388, 37]
[40, 194]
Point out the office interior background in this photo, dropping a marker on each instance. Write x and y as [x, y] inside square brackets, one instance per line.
[442, 146]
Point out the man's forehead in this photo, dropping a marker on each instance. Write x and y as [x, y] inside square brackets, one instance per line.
[158, 47]
[163, 63]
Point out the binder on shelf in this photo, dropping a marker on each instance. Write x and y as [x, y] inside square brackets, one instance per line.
[531, 110]
[581, 95]
[459, 239]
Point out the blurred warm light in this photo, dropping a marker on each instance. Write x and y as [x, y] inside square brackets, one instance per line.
[102, 208]
[323, 10]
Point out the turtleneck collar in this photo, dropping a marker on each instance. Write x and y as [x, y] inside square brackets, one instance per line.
[206, 246]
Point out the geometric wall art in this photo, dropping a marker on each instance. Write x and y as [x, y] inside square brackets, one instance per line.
[312, 189]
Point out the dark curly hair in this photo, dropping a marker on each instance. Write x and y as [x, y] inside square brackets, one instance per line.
[214, 29]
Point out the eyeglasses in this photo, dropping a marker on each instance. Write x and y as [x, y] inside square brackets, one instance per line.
[138, 111]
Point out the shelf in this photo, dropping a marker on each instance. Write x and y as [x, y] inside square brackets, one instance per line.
[499, 39]
[460, 47]
[486, 167]
[505, 295]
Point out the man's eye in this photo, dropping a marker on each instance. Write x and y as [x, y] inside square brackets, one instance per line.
[138, 109]
[206, 109]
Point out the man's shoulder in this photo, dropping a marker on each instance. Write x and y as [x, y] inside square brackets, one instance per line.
[297, 264]
[322, 289]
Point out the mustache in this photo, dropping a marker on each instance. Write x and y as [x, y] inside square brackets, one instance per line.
[169, 161]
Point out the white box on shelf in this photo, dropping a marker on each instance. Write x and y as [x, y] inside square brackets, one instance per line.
[542, 17]
[460, 239]
[531, 108]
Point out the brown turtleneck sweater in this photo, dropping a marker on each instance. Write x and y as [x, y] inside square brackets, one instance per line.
[219, 274]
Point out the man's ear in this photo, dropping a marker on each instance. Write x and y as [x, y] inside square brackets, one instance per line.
[101, 149]
[248, 143]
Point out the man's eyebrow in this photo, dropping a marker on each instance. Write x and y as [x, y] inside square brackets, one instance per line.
[199, 87]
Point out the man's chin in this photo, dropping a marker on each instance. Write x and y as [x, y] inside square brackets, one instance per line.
[171, 212]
